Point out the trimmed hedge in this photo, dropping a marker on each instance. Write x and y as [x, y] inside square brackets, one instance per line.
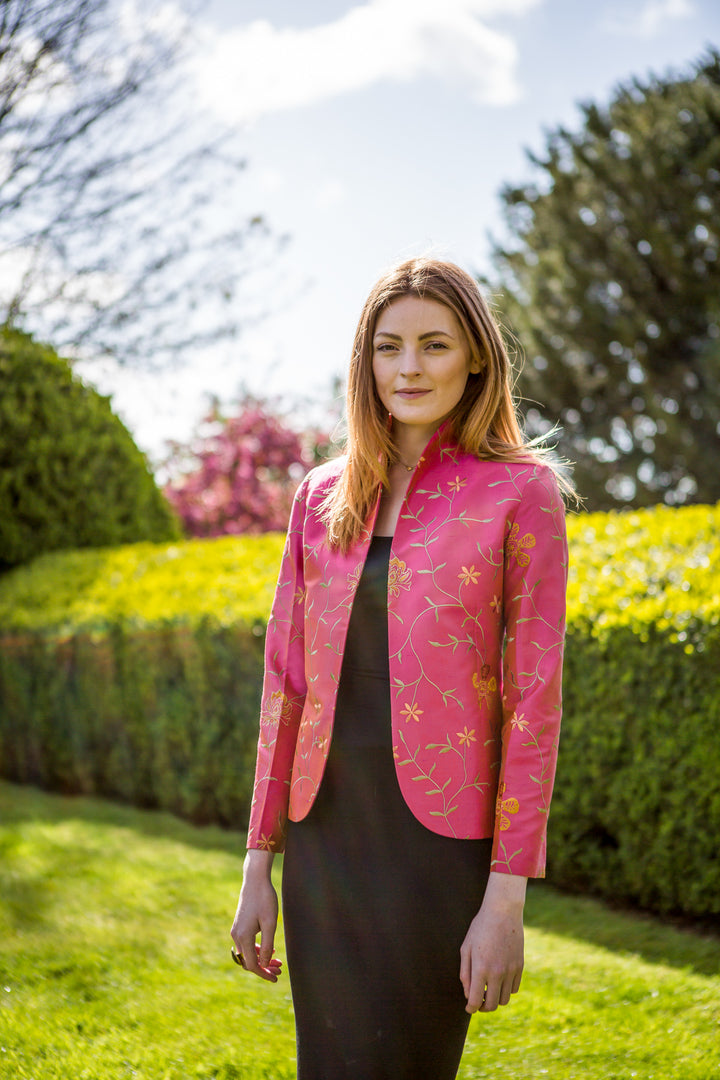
[136, 673]
[70, 474]
[636, 810]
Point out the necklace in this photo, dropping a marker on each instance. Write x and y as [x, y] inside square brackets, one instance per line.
[410, 468]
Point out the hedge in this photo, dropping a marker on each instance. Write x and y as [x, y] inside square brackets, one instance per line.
[136, 672]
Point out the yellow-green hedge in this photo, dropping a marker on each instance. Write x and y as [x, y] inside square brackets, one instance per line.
[135, 672]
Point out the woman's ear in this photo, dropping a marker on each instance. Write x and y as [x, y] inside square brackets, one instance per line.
[475, 366]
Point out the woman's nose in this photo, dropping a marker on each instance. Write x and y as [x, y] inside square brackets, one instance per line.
[410, 362]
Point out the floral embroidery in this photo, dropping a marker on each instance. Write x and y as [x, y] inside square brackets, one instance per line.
[353, 578]
[469, 577]
[485, 686]
[515, 546]
[495, 604]
[503, 807]
[266, 842]
[456, 484]
[278, 708]
[299, 597]
[399, 577]
[520, 721]
[411, 712]
[466, 737]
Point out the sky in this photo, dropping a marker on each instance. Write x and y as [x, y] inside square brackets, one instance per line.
[374, 131]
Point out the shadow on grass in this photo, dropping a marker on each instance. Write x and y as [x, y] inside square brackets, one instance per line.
[649, 937]
[20, 802]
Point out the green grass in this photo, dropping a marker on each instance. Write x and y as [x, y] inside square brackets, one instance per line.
[114, 962]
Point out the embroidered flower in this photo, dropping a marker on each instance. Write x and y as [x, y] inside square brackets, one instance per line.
[469, 577]
[503, 807]
[485, 684]
[299, 597]
[399, 577]
[353, 578]
[495, 604]
[466, 737]
[411, 712]
[266, 842]
[396, 754]
[278, 708]
[520, 722]
[456, 484]
[515, 546]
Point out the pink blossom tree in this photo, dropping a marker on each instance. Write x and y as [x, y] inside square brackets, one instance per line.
[240, 472]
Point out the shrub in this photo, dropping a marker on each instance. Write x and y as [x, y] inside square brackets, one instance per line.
[136, 673]
[636, 810]
[70, 473]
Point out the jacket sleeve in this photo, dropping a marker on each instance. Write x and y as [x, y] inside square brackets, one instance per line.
[284, 690]
[534, 584]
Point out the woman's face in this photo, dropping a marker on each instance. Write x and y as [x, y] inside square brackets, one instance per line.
[421, 362]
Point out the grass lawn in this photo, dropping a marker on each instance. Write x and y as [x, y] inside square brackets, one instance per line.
[115, 962]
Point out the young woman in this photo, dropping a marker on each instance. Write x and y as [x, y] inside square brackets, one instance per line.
[412, 697]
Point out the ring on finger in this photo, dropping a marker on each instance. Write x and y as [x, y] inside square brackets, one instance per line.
[237, 957]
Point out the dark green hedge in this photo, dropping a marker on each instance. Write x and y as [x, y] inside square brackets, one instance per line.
[70, 474]
[142, 682]
[159, 718]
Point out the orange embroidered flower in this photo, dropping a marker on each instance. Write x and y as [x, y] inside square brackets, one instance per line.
[353, 578]
[299, 596]
[485, 684]
[266, 843]
[495, 604]
[399, 577]
[456, 484]
[515, 546]
[396, 755]
[519, 722]
[278, 708]
[503, 807]
[469, 577]
[411, 712]
[466, 737]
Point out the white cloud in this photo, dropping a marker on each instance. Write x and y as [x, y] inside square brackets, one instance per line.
[260, 68]
[650, 18]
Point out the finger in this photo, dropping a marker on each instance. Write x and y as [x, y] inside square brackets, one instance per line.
[465, 972]
[267, 940]
[516, 982]
[493, 989]
[476, 995]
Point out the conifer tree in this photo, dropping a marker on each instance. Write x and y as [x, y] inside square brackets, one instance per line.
[610, 279]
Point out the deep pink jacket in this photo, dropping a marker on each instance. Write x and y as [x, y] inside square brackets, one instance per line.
[476, 619]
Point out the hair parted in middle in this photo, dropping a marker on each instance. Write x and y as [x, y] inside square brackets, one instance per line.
[484, 422]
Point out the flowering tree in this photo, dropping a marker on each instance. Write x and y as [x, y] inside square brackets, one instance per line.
[240, 473]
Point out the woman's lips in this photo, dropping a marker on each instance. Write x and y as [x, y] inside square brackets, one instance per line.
[411, 393]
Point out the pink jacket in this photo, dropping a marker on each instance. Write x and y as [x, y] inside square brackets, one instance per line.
[476, 619]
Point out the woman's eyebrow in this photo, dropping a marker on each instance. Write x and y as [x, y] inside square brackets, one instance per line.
[422, 337]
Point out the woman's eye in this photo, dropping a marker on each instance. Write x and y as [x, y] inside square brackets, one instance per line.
[437, 345]
[385, 346]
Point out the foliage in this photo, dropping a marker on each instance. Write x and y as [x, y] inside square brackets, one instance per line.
[143, 682]
[610, 279]
[98, 130]
[114, 939]
[226, 582]
[70, 473]
[636, 810]
[240, 473]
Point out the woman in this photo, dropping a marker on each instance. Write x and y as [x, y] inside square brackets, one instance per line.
[411, 703]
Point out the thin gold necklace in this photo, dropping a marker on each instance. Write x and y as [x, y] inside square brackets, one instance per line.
[410, 468]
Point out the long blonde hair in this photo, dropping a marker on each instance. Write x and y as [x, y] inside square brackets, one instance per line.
[484, 422]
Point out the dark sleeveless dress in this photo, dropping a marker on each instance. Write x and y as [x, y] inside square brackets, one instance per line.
[375, 906]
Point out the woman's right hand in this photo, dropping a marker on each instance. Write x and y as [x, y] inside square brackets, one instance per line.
[257, 913]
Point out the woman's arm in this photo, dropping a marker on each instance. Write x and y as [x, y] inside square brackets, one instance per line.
[491, 957]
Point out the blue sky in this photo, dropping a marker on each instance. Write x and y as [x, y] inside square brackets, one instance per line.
[375, 130]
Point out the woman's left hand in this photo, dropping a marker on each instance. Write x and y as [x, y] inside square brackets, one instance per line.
[491, 957]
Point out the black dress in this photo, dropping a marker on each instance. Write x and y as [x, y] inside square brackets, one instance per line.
[375, 906]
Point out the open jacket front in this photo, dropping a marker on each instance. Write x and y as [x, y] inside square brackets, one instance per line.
[476, 621]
